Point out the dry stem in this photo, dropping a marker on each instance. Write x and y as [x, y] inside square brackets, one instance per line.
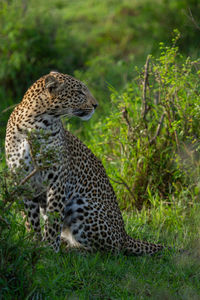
[125, 184]
[144, 90]
[193, 20]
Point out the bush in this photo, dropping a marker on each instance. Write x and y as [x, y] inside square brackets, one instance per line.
[150, 142]
[18, 255]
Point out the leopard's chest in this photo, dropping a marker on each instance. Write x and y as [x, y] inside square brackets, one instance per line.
[18, 155]
[23, 158]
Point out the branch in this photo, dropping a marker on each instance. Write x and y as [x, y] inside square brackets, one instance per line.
[125, 184]
[6, 222]
[22, 182]
[158, 129]
[8, 108]
[125, 116]
[193, 20]
[144, 90]
[29, 176]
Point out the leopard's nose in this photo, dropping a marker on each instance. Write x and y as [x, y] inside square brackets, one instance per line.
[95, 105]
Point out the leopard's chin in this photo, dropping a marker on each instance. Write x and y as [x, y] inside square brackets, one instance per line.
[87, 117]
[84, 115]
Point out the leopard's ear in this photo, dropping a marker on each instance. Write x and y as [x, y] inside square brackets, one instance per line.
[51, 83]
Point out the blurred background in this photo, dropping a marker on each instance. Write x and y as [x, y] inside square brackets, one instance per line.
[99, 42]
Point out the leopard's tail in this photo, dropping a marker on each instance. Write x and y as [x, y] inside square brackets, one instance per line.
[137, 247]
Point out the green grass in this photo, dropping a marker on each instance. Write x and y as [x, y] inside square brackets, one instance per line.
[101, 43]
[35, 271]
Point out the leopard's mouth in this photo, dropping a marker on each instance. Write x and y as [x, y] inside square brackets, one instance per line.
[80, 113]
[83, 114]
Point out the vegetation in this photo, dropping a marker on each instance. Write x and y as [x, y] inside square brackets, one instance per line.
[31, 271]
[150, 141]
[99, 42]
[146, 132]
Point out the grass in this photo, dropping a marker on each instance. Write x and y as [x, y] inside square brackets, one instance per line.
[170, 211]
[35, 272]
[97, 276]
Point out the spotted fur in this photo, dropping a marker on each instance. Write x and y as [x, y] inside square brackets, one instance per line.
[72, 190]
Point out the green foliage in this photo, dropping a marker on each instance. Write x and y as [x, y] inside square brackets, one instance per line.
[30, 271]
[149, 144]
[150, 141]
[17, 255]
[33, 42]
[99, 42]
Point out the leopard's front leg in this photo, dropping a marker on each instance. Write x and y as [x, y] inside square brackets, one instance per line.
[55, 214]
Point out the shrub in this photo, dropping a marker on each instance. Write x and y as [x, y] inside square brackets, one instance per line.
[18, 255]
[150, 142]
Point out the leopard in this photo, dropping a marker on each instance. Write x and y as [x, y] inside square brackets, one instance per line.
[71, 192]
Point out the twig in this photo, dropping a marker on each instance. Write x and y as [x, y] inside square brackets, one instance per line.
[192, 19]
[8, 108]
[144, 90]
[125, 116]
[125, 184]
[29, 176]
[158, 129]
[23, 181]
[3, 220]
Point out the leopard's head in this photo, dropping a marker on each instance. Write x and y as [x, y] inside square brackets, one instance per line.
[56, 95]
[68, 96]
